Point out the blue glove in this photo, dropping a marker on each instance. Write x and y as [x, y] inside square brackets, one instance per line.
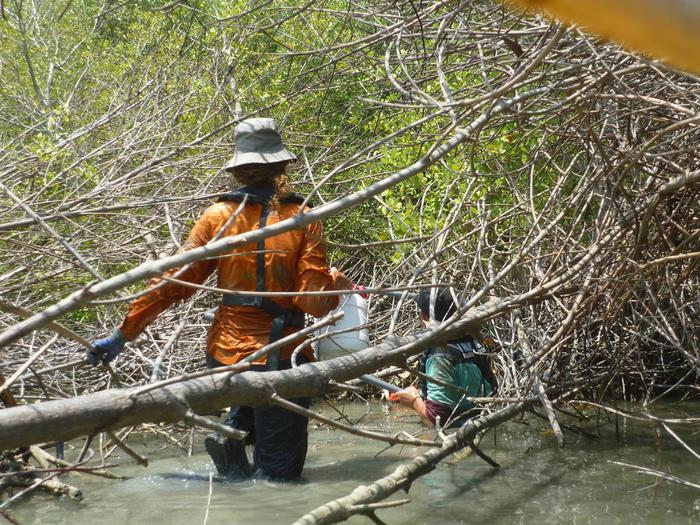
[106, 349]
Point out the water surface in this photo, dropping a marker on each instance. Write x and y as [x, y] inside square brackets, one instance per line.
[537, 482]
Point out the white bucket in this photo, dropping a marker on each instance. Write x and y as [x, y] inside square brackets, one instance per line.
[354, 310]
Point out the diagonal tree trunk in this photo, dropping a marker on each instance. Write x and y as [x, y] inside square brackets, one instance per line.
[362, 500]
[112, 409]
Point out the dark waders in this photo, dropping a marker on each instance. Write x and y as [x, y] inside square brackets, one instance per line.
[280, 438]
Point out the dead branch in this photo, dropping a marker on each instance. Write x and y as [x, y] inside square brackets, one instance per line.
[402, 478]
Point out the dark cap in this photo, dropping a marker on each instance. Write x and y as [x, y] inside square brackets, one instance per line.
[444, 303]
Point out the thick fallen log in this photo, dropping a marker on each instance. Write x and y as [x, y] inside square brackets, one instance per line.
[65, 419]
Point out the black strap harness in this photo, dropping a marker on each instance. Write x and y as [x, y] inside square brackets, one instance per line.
[467, 350]
[281, 317]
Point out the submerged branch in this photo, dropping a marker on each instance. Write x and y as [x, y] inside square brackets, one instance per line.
[402, 477]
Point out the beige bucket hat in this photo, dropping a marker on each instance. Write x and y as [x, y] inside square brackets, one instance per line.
[258, 141]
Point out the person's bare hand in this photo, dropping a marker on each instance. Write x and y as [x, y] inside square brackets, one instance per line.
[406, 396]
[341, 280]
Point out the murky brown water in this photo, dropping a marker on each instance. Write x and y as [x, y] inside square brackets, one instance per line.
[537, 482]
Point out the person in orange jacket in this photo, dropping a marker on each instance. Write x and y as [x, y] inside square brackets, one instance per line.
[294, 261]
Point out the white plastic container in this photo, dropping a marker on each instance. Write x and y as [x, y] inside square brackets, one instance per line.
[354, 310]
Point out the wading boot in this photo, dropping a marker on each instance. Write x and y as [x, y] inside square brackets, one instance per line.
[229, 456]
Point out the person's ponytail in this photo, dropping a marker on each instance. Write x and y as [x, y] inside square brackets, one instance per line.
[274, 174]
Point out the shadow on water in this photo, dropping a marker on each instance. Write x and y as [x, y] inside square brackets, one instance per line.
[510, 501]
[353, 469]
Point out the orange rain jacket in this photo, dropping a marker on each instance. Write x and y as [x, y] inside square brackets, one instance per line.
[294, 261]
